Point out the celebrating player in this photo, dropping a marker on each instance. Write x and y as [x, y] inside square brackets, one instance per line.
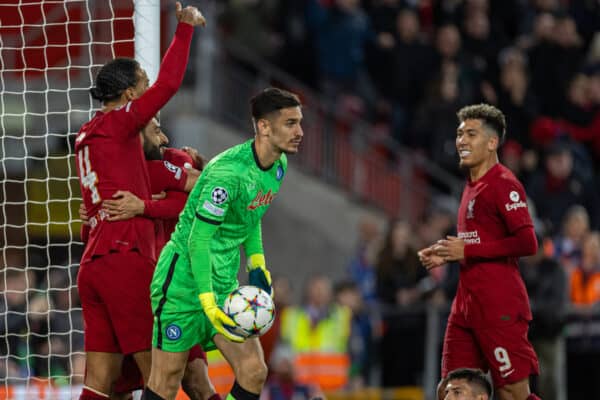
[111, 281]
[173, 172]
[198, 267]
[488, 323]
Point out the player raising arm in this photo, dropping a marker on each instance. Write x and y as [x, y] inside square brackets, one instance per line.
[112, 282]
[198, 267]
[489, 319]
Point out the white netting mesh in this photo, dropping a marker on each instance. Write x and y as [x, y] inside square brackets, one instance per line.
[49, 53]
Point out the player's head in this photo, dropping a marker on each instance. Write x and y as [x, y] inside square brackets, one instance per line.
[120, 80]
[481, 130]
[154, 140]
[467, 384]
[276, 115]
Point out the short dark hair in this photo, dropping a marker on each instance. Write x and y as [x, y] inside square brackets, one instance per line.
[472, 375]
[490, 115]
[270, 100]
[114, 78]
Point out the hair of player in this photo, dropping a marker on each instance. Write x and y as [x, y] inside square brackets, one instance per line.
[270, 100]
[114, 78]
[488, 114]
[474, 376]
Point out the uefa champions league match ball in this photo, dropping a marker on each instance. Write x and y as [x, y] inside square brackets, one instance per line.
[252, 309]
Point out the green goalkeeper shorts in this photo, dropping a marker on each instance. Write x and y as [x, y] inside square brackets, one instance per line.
[179, 322]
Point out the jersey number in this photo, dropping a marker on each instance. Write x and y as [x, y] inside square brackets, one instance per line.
[502, 357]
[87, 176]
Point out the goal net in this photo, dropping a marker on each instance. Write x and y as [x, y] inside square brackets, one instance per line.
[49, 53]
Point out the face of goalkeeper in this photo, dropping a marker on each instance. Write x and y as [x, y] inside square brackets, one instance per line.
[282, 129]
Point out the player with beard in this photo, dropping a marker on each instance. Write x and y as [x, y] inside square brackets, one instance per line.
[489, 319]
[173, 176]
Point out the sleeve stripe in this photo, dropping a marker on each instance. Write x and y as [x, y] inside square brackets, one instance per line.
[209, 221]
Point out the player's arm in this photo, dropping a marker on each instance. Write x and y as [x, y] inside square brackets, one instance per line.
[519, 244]
[213, 204]
[170, 75]
[166, 208]
[258, 274]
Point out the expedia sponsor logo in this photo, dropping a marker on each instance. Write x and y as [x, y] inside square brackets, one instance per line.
[514, 206]
[471, 237]
[261, 200]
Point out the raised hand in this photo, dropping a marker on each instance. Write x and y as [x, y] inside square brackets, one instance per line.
[189, 15]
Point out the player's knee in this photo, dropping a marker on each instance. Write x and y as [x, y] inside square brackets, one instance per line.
[252, 370]
[100, 379]
[195, 382]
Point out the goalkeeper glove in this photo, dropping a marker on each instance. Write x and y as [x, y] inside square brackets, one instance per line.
[258, 275]
[218, 318]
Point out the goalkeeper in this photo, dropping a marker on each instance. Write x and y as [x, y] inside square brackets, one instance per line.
[198, 267]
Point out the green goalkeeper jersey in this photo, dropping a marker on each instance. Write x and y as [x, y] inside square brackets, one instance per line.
[222, 212]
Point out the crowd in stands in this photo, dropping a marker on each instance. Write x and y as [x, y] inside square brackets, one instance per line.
[408, 66]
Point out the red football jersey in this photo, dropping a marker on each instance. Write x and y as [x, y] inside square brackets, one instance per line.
[492, 208]
[109, 157]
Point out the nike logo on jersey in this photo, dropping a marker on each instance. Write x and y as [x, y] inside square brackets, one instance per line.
[507, 373]
[261, 200]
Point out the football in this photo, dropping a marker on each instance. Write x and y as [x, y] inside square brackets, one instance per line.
[252, 309]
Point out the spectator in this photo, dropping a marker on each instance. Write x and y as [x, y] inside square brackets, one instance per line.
[546, 284]
[401, 286]
[585, 299]
[361, 349]
[318, 333]
[559, 186]
[361, 269]
[585, 281]
[342, 32]
[567, 245]
[403, 74]
[283, 383]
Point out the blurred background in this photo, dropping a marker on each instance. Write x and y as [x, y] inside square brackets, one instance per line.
[375, 180]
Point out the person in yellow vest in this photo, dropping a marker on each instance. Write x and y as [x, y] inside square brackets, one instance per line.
[317, 333]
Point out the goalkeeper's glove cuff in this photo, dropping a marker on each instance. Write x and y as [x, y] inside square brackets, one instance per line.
[258, 274]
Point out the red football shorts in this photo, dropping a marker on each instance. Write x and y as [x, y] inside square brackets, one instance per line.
[503, 350]
[131, 378]
[115, 297]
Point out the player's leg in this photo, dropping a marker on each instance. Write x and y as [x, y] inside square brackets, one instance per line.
[460, 350]
[248, 364]
[103, 358]
[514, 391]
[172, 337]
[196, 383]
[166, 374]
[511, 358]
[102, 370]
